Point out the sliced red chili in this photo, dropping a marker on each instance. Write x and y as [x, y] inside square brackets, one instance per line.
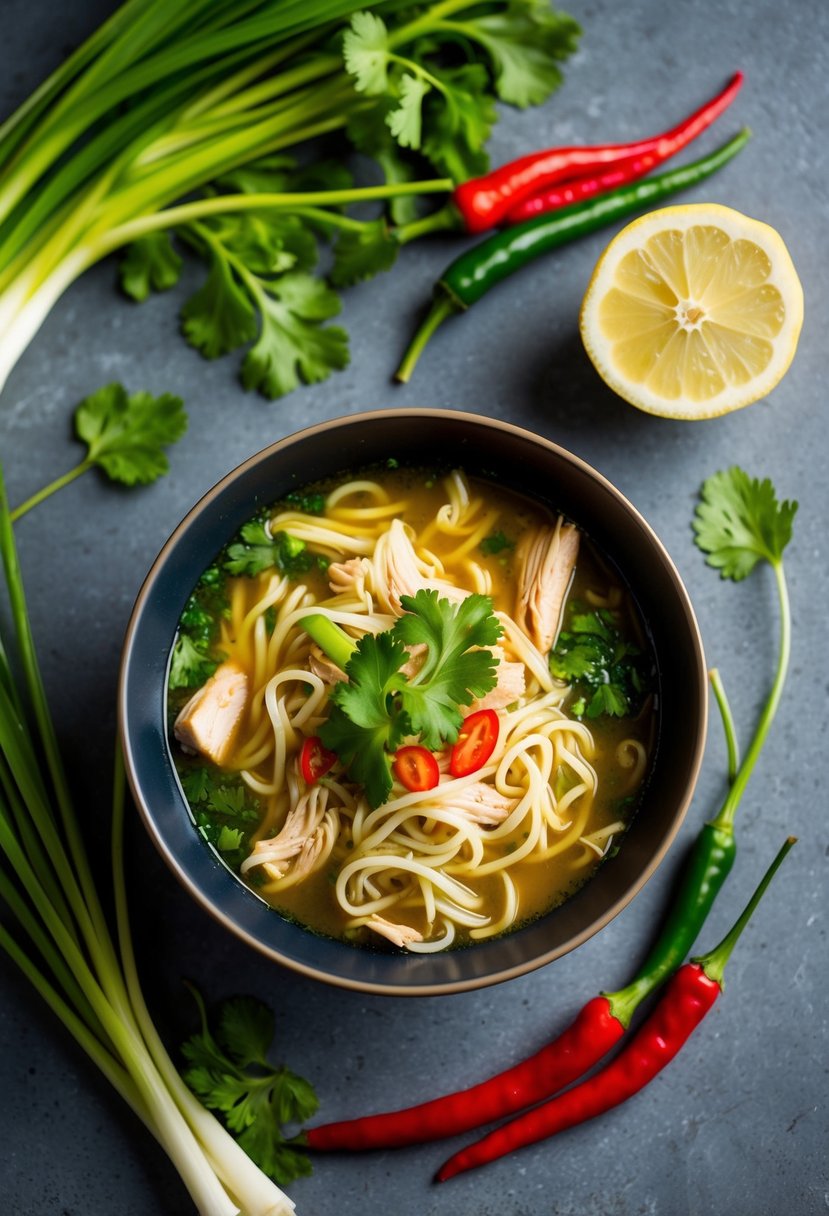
[416, 768]
[476, 743]
[315, 760]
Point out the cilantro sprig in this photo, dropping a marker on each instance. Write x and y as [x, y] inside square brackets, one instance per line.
[379, 706]
[224, 809]
[739, 523]
[125, 436]
[229, 1071]
[609, 673]
[256, 550]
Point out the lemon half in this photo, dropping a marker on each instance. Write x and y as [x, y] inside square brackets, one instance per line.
[693, 311]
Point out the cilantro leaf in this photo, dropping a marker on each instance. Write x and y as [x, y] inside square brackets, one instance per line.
[363, 728]
[149, 264]
[126, 434]
[609, 673]
[369, 133]
[190, 667]
[459, 122]
[293, 346]
[452, 674]
[230, 1073]
[740, 522]
[524, 42]
[366, 53]
[496, 543]
[308, 503]
[224, 810]
[378, 706]
[269, 241]
[361, 254]
[405, 122]
[257, 550]
[219, 317]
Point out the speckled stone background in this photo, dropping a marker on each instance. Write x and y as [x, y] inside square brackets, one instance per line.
[738, 1124]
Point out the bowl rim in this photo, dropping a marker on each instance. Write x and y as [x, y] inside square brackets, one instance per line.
[466, 984]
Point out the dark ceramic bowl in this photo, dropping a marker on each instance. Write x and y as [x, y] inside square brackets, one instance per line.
[514, 458]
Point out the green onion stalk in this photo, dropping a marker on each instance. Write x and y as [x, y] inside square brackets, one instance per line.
[88, 979]
[162, 100]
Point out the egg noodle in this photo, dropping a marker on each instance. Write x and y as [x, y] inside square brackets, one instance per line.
[427, 866]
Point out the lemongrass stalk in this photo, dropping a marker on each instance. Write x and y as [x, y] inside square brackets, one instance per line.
[257, 1194]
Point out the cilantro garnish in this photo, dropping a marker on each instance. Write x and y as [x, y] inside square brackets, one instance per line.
[223, 808]
[378, 707]
[308, 502]
[190, 666]
[609, 674]
[257, 550]
[496, 543]
[230, 1073]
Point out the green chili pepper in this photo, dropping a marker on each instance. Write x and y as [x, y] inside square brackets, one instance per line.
[478, 270]
[709, 864]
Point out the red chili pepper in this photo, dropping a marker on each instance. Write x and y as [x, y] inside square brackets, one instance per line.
[580, 188]
[485, 202]
[476, 743]
[416, 768]
[578, 1048]
[690, 993]
[315, 760]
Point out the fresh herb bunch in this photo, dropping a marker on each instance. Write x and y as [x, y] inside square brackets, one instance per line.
[229, 1072]
[609, 673]
[208, 102]
[379, 706]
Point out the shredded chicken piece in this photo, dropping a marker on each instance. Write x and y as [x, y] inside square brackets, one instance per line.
[348, 576]
[481, 803]
[547, 557]
[304, 841]
[511, 685]
[396, 570]
[325, 668]
[398, 935]
[208, 722]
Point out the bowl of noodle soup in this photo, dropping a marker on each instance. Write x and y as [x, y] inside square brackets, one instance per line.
[413, 723]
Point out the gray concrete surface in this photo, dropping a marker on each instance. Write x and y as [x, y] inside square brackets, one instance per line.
[738, 1124]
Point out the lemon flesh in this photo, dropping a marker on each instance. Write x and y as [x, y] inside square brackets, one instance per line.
[693, 311]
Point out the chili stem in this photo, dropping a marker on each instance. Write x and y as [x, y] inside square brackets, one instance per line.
[442, 308]
[713, 963]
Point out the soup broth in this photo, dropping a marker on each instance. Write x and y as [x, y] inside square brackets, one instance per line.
[252, 695]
